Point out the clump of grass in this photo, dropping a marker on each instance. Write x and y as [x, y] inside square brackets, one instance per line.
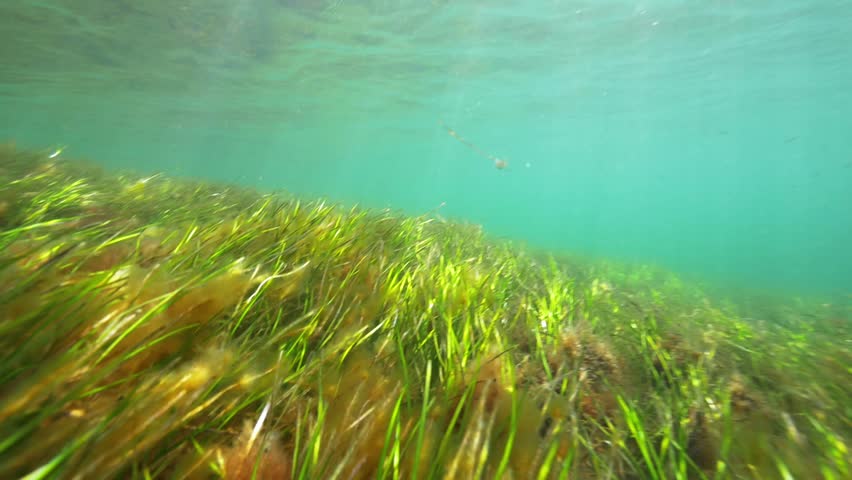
[158, 328]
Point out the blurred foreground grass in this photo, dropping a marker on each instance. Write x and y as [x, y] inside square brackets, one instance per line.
[157, 328]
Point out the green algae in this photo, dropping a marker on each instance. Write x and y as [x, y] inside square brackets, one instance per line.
[160, 328]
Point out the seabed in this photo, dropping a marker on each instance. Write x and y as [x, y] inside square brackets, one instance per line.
[164, 328]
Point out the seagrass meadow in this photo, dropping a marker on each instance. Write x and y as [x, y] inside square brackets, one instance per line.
[163, 328]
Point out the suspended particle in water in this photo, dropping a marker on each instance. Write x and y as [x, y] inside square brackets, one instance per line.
[499, 163]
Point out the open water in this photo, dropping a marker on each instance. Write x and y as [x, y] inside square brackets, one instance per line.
[711, 137]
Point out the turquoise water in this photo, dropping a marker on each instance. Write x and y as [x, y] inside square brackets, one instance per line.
[711, 137]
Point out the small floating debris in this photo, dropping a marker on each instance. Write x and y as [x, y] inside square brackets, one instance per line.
[499, 163]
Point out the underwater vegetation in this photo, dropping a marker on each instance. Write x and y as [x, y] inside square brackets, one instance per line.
[162, 328]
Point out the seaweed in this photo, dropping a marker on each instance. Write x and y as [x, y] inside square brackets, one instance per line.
[155, 327]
